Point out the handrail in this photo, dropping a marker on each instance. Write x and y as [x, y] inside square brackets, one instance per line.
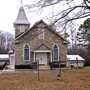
[4, 65]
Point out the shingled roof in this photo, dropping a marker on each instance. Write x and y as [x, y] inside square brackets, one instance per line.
[21, 18]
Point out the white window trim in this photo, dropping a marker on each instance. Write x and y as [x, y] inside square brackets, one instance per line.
[23, 53]
[22, 28]
[39, 29]
[58, 52]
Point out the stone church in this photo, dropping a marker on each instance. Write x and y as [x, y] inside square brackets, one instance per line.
[39, 42]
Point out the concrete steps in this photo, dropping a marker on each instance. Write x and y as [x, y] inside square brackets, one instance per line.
[44, 67]
[8, 67]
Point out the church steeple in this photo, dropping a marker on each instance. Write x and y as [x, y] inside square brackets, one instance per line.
[21, 18]
[21, 24]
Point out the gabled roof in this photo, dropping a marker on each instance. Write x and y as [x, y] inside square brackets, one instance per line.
[40, 46]
[73, 57]
[21, 18]
[41, 21]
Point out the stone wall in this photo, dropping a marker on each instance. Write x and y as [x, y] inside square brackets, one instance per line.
[17, 29]
[31, 38]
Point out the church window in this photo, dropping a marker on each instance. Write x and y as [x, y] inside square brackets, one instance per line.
[26, 53]
[55, 53]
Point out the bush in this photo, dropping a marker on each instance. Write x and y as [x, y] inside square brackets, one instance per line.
[23, 67]
[87, 61]
[1, 67]
[72, 65]
[57, 66]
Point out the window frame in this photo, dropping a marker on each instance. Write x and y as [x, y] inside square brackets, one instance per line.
[22, 28]
[57, 51]
[24, 52]
[40, 32]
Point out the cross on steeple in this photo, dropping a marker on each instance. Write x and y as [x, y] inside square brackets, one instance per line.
[21, 2]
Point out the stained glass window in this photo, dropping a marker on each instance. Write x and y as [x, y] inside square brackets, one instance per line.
[26, 52]
[55, 52]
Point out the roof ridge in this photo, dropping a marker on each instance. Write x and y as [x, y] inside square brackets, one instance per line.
[46, 25]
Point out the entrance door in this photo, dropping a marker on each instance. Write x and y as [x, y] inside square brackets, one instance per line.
[42, 57]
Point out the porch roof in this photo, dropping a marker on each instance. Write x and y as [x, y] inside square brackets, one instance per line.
[37, 47]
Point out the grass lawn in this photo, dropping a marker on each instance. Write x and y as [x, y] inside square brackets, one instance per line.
[70, 80]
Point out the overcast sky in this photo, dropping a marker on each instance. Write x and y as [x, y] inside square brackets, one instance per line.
[8, 14]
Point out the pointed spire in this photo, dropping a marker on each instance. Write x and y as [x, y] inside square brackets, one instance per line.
[21, 18]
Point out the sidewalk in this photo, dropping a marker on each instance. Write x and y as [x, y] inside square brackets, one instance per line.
[26, 71]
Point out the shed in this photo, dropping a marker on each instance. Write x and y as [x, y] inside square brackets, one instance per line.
[4, 58]
[72, 60]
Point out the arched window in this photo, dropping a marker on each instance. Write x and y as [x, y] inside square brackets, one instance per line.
[26, 53]
[55, 53]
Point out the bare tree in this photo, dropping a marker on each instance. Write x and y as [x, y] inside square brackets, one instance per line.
[73, 39]
[2, 40]
[65, 12]
[9, 39]
[5, 41]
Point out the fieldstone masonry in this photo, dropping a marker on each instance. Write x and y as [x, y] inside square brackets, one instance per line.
[31, 38]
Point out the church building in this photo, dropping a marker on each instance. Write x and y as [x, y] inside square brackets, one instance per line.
[39, 42]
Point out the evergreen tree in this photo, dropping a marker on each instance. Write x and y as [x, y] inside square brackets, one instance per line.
[83, 34]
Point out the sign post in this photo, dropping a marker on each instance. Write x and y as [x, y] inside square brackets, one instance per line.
[77, 66]
[38, 70]
[59, 75]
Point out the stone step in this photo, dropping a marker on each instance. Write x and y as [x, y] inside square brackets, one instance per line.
[8, 67]
[44, 67]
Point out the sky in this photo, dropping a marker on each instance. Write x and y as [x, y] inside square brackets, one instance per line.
[9, 11]
[8, 14]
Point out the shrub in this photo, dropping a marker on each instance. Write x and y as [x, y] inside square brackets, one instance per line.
[87, 61]
[23, 67]
[1, 66]
[72, 65]
[57, 66]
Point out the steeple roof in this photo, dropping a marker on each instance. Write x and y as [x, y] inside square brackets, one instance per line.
[21, 18]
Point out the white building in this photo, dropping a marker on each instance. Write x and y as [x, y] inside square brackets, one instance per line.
[72, 60]
[4, 58]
